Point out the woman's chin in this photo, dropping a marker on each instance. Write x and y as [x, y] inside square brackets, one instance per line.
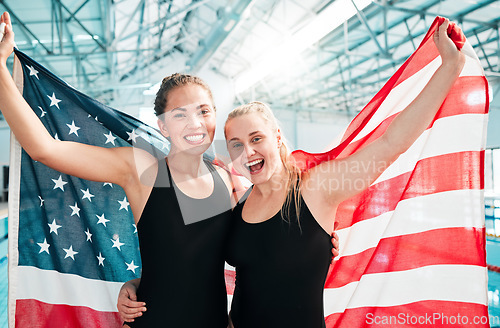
[195, 150]
[258, 178]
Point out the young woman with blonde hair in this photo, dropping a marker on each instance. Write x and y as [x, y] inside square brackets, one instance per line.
[280, 240]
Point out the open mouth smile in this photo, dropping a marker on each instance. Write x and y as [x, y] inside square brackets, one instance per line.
[195, 139]
[255, 166]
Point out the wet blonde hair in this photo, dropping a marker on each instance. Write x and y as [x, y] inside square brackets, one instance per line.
[293, 172]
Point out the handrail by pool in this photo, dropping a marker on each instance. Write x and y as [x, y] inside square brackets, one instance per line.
[3, 238]
[3, 227]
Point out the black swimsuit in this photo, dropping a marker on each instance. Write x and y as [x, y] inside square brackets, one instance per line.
[182, 278]
[281, 267]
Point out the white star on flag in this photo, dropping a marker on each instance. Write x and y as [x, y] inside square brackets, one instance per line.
[53, 226]
[89, 235]
[123, 204]
[101, 259]
[110, 138]
[54, 101]
[59, 183]
[87, 194]
[70, 252]
[131, 266]
[107, 184]
[56, 137]
[43, 112]
[41, 200]
[75, 209]
[102, 219]
[33, 71]
[132, 136]
[44, 247]
[73, 128]
[117, 244]
[135, 227]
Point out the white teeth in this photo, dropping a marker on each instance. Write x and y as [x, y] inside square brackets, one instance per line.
[194, 138]
[257, 161]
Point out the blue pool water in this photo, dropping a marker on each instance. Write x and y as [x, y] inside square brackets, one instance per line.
[3, 284]
[493, 257]
[493, 296]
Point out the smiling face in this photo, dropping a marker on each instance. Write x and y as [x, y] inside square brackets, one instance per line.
[254, 147]
[189, 119]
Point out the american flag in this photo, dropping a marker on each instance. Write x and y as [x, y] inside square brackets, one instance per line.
[412, 246]
[72, 242]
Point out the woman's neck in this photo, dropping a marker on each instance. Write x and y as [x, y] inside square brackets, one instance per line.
[276, 185]
[186, 164]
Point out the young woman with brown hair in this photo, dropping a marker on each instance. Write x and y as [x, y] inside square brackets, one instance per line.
[173, 247]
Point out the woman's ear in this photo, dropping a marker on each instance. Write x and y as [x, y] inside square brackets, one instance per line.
[278, 136]
[163, 128]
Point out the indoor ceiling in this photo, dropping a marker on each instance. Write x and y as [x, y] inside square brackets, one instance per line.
[297, 55]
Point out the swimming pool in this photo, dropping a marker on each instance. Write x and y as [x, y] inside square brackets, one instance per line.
[493, 257]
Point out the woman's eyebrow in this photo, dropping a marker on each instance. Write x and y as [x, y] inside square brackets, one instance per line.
[250, 134]
[185, 110]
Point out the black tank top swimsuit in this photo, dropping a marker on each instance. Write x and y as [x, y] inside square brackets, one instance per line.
[182, 278]
[281, 267]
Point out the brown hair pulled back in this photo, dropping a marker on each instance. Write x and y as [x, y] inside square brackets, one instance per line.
[173, 81]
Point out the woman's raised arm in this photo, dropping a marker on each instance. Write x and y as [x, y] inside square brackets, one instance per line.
[337, 181]
[114, 165]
